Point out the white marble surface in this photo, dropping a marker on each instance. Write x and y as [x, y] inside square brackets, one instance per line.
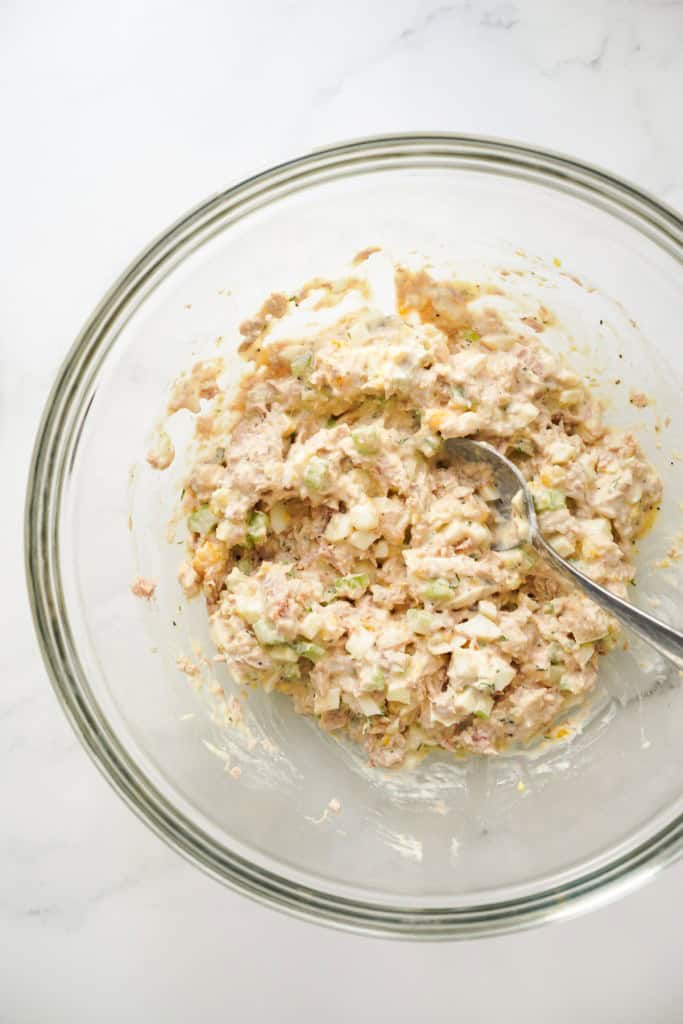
[116, 118]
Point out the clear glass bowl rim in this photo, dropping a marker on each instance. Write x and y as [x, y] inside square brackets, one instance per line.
[55, 445]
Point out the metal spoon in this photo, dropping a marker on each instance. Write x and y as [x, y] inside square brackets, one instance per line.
[516, 501]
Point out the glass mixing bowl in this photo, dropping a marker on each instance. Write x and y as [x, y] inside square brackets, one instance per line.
[452, 848]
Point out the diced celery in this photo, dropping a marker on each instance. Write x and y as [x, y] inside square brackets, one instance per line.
[376, 681]
[555, 652]
[547, 499]
[302, 364]
[257, 527]
[202, 520]
[439, 589]
[420, 621]
[365, 440]
[370, 682]
[472, 335]
[317, 474]
[307, 649]
[473, 702]
[266, 633]
[291, 673]
[353, 585]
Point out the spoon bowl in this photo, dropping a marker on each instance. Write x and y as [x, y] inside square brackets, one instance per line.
[515, 514]
[516, 523]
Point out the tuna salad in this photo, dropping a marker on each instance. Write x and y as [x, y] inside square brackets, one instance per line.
[346, 564]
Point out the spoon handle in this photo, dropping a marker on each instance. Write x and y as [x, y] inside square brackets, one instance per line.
[665, 639]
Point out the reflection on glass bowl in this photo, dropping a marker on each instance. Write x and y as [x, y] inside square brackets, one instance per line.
[453, 848]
